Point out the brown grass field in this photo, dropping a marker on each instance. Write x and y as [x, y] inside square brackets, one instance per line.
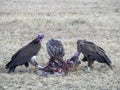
[67, 20]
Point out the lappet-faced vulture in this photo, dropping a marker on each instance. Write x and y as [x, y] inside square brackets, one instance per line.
[92, 53]
[26, 54]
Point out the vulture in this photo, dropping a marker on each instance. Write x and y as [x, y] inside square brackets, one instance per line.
[56, 53]
[26, 54]
[92, 53]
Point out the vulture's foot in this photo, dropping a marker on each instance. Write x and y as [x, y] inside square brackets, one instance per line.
[87, 69]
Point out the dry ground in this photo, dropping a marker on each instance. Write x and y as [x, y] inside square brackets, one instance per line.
[66, 20]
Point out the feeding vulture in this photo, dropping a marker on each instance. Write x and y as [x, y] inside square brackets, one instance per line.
[26, 54]
[56, 52]
[92, 53]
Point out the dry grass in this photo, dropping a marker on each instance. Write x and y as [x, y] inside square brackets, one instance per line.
[66, 20]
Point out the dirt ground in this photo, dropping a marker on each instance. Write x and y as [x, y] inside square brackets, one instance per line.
[67, 20]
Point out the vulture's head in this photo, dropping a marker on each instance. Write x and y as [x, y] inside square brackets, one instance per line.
[81, 42]
[74, 61]
[75, 58]
[40, 37]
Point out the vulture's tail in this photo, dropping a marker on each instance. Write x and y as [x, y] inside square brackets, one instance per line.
[8, 65]
[108, 62]
[110, 66]
[102, 53]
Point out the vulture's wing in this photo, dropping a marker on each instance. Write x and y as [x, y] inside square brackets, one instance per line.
[101, 52]
[94, 50]
[50, 49]
[88, 48]
[54, 47]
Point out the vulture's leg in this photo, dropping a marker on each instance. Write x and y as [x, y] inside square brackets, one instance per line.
[26, 64]
[90, 62]
[84, 59]
[33, 62]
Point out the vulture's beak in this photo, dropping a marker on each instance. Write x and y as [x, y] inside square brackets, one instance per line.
[41, 36]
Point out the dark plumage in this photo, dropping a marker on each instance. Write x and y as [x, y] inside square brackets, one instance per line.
[92, 53]
[55, 47]
[56, 52]
[23, 56]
